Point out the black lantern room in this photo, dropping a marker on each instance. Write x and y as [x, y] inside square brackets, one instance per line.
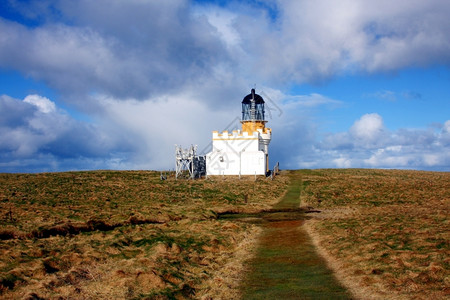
[253, 107]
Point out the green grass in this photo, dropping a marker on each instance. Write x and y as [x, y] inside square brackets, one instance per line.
[286, 265]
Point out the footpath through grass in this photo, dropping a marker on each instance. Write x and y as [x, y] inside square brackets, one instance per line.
[286, 265]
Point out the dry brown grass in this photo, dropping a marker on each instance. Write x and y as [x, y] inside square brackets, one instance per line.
[384, 232]
[120, 235]
[224, 284]
[95, 235]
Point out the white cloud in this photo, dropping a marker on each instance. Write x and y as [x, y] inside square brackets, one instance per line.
[142, 49]
[342, 162]
[223, 21]
[315, 40]
[35, 136]
[445, 134]
[368, 129]
[158, 124]
[368, 143]
[42, 103]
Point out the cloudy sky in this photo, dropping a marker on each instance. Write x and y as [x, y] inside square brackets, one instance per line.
[115, 84]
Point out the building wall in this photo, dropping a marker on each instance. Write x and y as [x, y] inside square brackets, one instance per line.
[237, 153]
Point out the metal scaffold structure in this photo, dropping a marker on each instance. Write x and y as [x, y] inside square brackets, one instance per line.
[188, 164]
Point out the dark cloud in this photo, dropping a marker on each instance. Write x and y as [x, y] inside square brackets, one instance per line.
[13, 113]
[142, 49]
[120, 49]
[34, 136]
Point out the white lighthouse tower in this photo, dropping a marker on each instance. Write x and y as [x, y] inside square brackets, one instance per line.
[244, 151]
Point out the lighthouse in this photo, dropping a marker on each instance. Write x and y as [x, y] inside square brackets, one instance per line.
[243, 151]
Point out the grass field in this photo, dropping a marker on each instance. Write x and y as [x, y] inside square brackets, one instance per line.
[117, 235]
[386, 231]
[129, 235]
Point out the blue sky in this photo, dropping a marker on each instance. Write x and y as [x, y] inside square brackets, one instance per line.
[111, 84]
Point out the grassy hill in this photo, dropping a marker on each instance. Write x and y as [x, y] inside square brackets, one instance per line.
[385, 232]
[106, 234]
[115, 235]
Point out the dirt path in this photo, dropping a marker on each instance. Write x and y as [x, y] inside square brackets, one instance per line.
[286, 265]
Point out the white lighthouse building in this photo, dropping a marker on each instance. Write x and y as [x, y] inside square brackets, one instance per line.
[244, 151]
